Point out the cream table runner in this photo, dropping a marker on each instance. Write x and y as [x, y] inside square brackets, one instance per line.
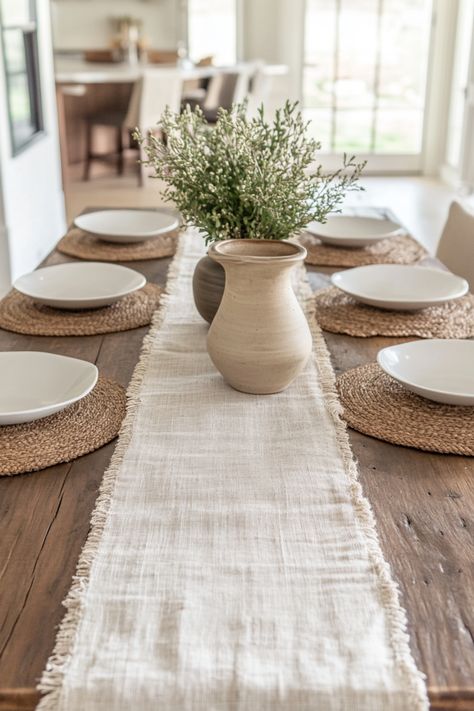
[233, 561]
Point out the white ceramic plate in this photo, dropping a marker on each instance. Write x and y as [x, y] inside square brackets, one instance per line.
[440, 370]
[82, 285]
[34, 384]
[400, 287]
[126, 225]
[353, 231]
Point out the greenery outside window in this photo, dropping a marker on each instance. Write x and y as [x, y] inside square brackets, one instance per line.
[20, 56]
[365, 77]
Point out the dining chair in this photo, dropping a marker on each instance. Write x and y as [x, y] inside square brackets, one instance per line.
[456, 245]
[220, 93]
[225, 88]
[269, 86]
[157, 88]
[195, 90]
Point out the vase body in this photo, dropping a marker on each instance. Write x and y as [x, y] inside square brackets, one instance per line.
[208, 287]
[259, 339]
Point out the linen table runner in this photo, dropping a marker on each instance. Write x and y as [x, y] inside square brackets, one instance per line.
[233, 561]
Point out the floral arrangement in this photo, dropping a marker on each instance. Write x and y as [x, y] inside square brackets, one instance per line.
[245, 177]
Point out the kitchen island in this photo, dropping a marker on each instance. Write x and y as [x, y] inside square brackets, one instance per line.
[84, 89]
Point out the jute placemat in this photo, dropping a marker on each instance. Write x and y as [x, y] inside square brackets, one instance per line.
[376, 405]
[338, 312]
[21, 314]
[77, 430]
[396, 250]
[84, 246]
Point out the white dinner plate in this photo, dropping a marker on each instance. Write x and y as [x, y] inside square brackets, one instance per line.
[353, 231]
[34, 384]
[400, 287]
[440, 370]
[126, 225]
[82, 285]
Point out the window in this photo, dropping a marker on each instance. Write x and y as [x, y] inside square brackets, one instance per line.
[460, 80]
[365, 68]
[19, 41]
[212, 30]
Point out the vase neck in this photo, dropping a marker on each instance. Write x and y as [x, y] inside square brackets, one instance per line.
[258, 255]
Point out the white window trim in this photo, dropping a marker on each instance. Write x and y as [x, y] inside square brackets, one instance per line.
[438, 79]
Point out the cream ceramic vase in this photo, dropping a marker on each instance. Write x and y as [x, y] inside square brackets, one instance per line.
[259, 339]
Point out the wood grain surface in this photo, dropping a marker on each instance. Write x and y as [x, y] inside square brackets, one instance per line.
[424, 506]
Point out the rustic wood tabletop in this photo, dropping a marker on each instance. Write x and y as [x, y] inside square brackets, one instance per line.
[423, 504]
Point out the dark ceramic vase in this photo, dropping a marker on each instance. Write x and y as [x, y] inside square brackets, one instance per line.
[208, 287]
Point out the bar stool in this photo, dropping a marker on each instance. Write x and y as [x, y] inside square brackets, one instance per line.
[269, 87]
[157, 88]
[224, 89]
[114, 120]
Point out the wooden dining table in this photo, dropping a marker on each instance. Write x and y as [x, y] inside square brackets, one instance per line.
[423, 504]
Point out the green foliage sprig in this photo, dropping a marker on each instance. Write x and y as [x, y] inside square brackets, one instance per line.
[245, 177]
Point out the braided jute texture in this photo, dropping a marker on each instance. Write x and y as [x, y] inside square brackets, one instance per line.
[79, 429]
[21, 314]
[85, 246]
[338, 312]
[376, 405]
[396, 250]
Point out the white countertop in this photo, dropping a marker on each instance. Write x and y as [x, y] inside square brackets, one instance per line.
[77, 71]
[72, 71]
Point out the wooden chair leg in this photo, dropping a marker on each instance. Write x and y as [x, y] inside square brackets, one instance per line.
[141, 157]
[87, 164]
[120, 150]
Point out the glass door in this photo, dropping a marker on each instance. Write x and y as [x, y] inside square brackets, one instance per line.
[364, 79]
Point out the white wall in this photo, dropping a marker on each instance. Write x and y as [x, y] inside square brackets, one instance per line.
[272, 30]
[260, 29]
[32, 219]
[86, 24]
[443, 42]
[4, 251]
[291, 42]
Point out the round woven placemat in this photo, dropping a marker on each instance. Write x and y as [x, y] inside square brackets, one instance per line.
[396, 250]
[338, 312]
[377, 405]
[77, 430]
[84, 246]
[20, 314]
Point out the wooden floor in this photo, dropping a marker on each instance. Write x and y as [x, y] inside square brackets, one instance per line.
[424, 506]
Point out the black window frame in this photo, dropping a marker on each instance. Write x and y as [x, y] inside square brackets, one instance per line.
[29, 31]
